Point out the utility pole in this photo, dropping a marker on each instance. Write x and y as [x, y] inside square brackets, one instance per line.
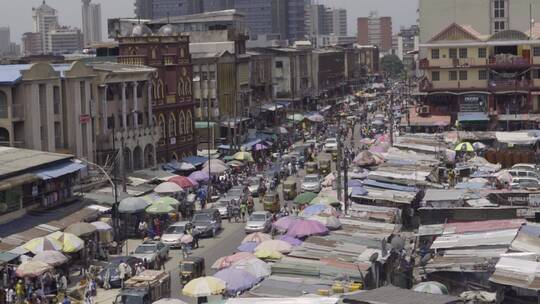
[391, 119]
[338, 160]
[209, 191]
[115, 214]
[346, 183]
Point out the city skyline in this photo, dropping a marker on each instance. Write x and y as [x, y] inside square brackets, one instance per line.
[69, 12]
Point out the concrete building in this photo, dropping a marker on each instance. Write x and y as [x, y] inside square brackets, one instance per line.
[216, 5]
[322, 41]
[336, 21]
[5, 40]
[164, 8]
[296, 20]
[329, 73]
[31, 44]
[64, 40]
[316, 24]
[91, 22]
[375, 30]
[144, 9]
[408, 42]
[45, 19]
[258, 16]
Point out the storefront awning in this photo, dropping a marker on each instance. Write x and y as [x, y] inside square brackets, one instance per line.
[247, 146]
[59, 170]
[195, 160]
[472, 116]
[204, 124]
[519, 117]
[272, 107]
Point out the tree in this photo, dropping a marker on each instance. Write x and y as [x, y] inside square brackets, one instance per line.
[391, 65]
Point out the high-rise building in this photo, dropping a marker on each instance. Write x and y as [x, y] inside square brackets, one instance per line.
[408, 41]
[315, 20]
[64, 40]
[296, 20]
[218, 5]
[91, 21]
[258, 15]
[336, 21]
[164, 8]
[45, 19]
[144, 9]
[375, 30]
[31, 44]
[5, 40]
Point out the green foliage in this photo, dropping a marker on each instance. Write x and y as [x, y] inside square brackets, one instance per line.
[391, 65]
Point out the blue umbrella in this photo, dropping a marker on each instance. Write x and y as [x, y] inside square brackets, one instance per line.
[355, 183]
[236, 280]
[291, 240]
[248, 247]
[314, 210]
[358, 191]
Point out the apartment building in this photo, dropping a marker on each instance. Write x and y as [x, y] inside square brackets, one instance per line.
[375, 30]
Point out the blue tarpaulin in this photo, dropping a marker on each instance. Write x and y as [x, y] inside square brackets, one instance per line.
[373, 183]
[59, 170]
[358, 191]
[246, 146]
[195, 160]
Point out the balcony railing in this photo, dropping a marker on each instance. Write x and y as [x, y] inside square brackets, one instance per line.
[505, 60]
[509, 85]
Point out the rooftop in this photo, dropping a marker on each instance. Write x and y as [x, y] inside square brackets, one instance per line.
[395, 295]
[120, 68]
[13, 160]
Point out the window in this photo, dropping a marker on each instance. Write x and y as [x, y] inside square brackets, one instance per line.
[435, 54]
[162, 128]
[435, 76]
[204, 75]
[536, 73]
[110, 122]
[83, 97]
[56, 99]
[3, 105]
[498, 9]
[212, 75]
[463, 53]
[536, 51]
[181, 123]
[499, 26]
[172, 125]
[189, 123]
[452, 75]
[482, 75]
[482, 53]
[452, 53]
[462, 75]
[279, 64]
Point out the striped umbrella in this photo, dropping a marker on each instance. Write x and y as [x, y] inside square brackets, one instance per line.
[41, 244]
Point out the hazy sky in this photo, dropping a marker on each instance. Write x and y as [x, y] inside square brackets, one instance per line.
[18, 14]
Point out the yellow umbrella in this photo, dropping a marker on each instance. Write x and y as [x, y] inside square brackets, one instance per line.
[204, 287]
[464, 146]
[243, 156]
[70, 242]
[267, 254]
[41, 244]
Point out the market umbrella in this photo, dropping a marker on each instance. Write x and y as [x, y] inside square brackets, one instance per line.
[51, 257]
[159, 208]
[257, 237]
[213, 162]
[367, 141]
[183, 166]
[81, 229]
[266, 254]
[247, 247]
[171, 201]
[200, 176]
[355, 183]
[243, 156]
[318, 209]
[464, 147]
[41, 244]
[367, 158]
[236, 280]
[303, 228]
[378, 149]
[478, 146]
[204, 287]
[331, 222]
[101, 226]
[32, 269]
[358, 191]
[227, 261]
[259, 147]
[504, 177]
[235, 163]
[284, 223]
[432, 287]
[216, 169]
[275, 245]
[316, 118]
[295, 117]
[282, 130]
[304, 198]
[183, 181]
[328, 180]
[70, 242]
[169, 301]
[291, 240]
[132, 205]
[255, 266]
[324, 200]
[167, 187]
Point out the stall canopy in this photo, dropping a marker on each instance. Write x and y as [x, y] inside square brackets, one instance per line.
[59, 170]
[247, 146]
[516, 138]
[195, 160]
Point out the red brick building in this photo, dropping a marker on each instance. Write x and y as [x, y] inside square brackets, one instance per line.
[172, 94]
[375, 30]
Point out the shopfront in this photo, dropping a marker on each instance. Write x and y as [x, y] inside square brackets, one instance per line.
[473, 112]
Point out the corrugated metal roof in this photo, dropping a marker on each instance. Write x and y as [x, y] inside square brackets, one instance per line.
[518, 273]
[528, 239]
[491, 238]
[395, 295]
[13, 160]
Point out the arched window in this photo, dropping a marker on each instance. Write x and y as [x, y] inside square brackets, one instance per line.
[189, 123]
[161, 89]
[3, 105]
[181, 123]
[162, 126]
[172, 125]
[175, 156]
[154, 89]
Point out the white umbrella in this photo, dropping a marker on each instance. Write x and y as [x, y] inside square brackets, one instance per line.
[167, 187]
[169, 301]
[102, 226]
[256, 267]
[183, 166]
[51, 257]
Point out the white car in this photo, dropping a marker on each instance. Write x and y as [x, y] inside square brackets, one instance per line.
[173, 234]
[525, 182]
[259, 221]
[311, 183]
[330, 144]
[524, 167]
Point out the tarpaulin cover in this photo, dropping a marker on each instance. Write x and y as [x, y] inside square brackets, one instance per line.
[59, 170]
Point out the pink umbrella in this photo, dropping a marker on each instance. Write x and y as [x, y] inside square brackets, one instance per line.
[367, 141]
[303, 228]
[259, 147]
[227, 261]
[257, 237]
[184, 182]
[285, 222]
[291, 240]
[378, 149]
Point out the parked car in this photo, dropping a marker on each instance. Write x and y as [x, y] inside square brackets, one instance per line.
[221, 206]
[259, 221]
[238, 193]
[174, 233]
[150, 251]
[523, 173]
[207, 222]
[525, 182]
[330, 144]
[311, 183]
[525, 167]
[114, 274]
[254, 183]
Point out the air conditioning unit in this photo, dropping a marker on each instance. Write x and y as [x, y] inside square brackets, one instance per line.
[424, 110]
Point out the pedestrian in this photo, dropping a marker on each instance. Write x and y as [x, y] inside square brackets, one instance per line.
[10, 295]
[243, 209]
[66, 300]
[143, 227]
[185, 250]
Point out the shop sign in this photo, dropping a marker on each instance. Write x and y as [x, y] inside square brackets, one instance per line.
[84, 118]
[472, 103]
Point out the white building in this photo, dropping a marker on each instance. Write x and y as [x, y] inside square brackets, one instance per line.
[91, 22]
[64, 40]
[45, 19]
[336, 20]
[5, 40]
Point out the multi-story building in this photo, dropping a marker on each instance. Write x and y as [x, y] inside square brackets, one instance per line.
[329, 72]
[164, 8]
[296, 20]
[407, 42]
[336, 21]
[91, 22]
[32, 44]
[482, 82]
[64, 40]
[217, 5]
[144, 9]
[375, 30]
[5, 40]
[168, 51]
[45, 19]
[258, 15]
[316, 24]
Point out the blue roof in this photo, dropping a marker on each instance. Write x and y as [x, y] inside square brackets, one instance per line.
[195, 160]
[377, 184]
[247, 145]
[12, 73]
[59, 170]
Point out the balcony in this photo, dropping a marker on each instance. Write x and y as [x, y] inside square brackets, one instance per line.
[509, 61]
[510, 85]
[449, 63]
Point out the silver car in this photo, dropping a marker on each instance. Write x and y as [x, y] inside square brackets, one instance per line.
[173, 234]
[150, 251]
[311, 183]
[259, 221]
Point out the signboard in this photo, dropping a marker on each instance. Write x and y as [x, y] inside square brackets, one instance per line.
[84, 118]
[173, 140]
[473, 103]
[534, 200]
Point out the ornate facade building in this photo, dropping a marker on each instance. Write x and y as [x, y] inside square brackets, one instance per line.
[172, 95]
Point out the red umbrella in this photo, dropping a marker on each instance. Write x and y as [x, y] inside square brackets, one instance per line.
[184, 182]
